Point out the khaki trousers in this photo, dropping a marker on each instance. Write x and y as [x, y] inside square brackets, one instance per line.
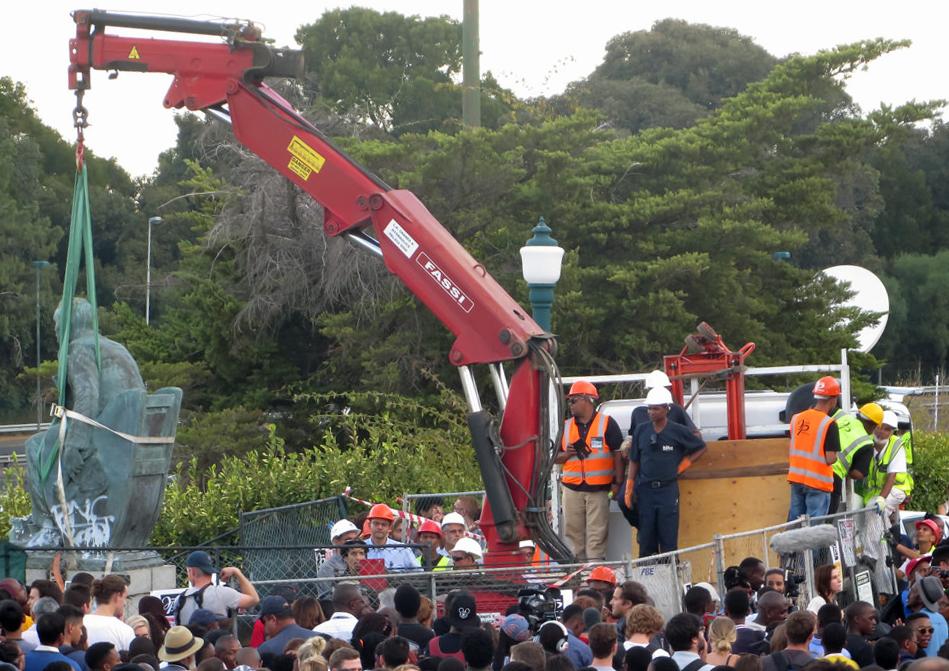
[586, 520]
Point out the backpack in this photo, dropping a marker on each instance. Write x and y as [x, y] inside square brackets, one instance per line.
[782, 662]
[694, 665]
[182, 599]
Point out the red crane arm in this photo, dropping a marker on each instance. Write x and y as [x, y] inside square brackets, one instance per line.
[225, 79]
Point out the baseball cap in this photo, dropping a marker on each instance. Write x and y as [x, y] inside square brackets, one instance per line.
[204, 617]
[516, 627]
[342, 527]
[916, 562]
[275, 605]
[464, 612]
[200, 560]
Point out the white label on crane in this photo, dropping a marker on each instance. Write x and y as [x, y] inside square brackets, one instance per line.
[400, 238]
[441, 279]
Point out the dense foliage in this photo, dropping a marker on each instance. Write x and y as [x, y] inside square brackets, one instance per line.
[677, 176]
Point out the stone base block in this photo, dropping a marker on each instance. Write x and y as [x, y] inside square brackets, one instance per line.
[144, 572]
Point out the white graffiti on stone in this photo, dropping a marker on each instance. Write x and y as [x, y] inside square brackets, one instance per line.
[89, 529]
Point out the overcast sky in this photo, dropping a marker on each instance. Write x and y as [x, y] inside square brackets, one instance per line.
[534, 48]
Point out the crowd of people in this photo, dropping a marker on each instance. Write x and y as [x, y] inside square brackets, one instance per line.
[608, 625]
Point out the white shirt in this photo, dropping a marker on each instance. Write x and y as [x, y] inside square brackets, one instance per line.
[30, 636]
[108, 628]
[340, 625]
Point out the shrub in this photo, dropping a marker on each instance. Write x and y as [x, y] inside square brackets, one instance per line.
[930, 470]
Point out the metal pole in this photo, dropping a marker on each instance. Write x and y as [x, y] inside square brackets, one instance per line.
[148, 269]
[936, 406]
[720, 561]
[471, 66]
[38, 266]
[39, 400]
[844, 381]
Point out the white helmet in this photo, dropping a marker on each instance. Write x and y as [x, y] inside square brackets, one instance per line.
[659, 396]
[342, 527]
[453, 518]
[657, 378]
[890, 419]
[469, 546]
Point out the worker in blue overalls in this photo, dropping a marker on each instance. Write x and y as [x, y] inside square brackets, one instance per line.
[660, 451]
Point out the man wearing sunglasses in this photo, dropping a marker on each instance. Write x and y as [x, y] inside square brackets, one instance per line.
[592, 468]
[922, 626]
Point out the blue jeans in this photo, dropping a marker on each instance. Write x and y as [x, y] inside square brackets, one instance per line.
[807, 500]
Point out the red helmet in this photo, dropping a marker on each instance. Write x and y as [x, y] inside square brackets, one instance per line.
[603, 574]
[583, 388]
[826, 387]
[430, 527]
[381, 511]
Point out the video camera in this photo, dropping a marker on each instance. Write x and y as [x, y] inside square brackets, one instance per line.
[792, 584]
[539, 603]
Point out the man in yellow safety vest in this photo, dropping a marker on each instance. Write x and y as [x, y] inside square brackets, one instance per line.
[889, 479]
[855, 432]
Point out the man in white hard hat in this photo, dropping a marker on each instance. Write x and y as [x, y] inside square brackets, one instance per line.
[659, 380]
[656, 379]
[661, 450]
[334, 565]
[888, 483]
[453, 530]
[466, 554]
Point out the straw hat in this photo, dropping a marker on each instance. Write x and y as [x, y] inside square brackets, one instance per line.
[179, 644]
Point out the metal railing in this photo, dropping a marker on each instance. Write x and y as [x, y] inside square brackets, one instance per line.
[296, 569]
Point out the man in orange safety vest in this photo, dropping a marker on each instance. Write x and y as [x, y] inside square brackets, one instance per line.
[592, 468]
[812, 452]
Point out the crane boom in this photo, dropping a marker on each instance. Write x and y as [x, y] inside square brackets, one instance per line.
[226, 79]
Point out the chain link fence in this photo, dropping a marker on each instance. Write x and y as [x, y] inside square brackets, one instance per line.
[287, 537]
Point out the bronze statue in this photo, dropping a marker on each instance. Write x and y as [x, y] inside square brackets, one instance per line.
[111, 486]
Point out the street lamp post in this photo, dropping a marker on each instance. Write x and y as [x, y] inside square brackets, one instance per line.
[541, 259]
[148, 268]
[38, 266]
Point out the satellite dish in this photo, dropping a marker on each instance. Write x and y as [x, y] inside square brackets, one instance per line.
[869, 295]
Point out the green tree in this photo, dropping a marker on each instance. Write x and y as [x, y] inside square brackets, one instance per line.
[670, 75]
[386, 69]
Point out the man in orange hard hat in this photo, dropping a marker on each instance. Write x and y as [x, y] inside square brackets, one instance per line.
[592, 469]
[814, 446]
[430, 536]
[397, 556]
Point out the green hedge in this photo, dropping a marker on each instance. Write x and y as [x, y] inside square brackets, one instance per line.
[930, 471]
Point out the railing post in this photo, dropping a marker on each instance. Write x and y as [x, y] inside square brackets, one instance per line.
[720, 561]
[674, 565]
[629, 566]
[808, 563]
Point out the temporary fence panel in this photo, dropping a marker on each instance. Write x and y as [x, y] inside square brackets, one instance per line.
[280, 528]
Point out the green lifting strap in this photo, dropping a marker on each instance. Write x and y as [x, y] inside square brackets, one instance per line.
[80, 247]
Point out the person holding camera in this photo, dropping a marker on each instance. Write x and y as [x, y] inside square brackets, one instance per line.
[592, 469]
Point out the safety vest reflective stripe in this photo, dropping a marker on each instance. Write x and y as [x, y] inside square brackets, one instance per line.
[806, 463]
[597, 467]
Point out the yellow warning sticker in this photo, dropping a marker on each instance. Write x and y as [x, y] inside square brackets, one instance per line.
[304, 159]
[133, 54]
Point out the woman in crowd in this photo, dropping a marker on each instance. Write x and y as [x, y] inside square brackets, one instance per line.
[829, 585]
[721, 635]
